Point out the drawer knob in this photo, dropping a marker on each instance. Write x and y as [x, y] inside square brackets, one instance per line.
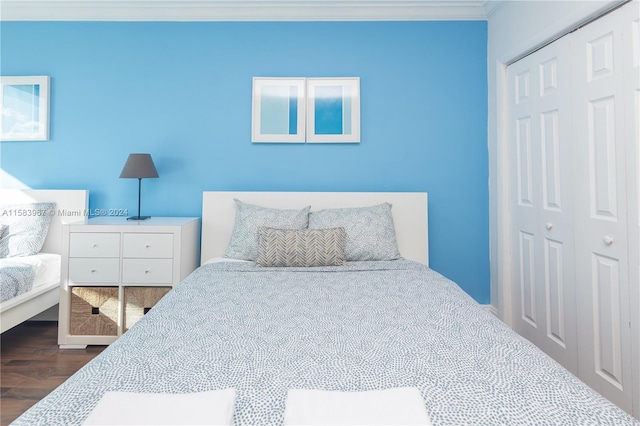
[608, 239]
[148, 245]
[549, 225]
[147, 271]
[93, 271]
[94, 245]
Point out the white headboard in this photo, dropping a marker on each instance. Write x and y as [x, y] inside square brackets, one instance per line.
[71, 206]
[409, 213]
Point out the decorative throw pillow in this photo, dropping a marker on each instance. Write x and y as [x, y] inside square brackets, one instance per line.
[371, 234]
[27, 225]
[249, 217]
[4, 242]
[301, 247]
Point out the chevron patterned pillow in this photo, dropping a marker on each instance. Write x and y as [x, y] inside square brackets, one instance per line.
[301, 247]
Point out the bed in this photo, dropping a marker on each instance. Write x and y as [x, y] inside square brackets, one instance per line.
[43, 294]
[368, 325]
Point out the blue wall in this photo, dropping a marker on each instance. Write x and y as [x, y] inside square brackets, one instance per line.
[182, 92]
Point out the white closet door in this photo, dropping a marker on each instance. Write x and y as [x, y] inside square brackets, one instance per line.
[602, 266]
[544, 296]
[631, 35]
[522, 78]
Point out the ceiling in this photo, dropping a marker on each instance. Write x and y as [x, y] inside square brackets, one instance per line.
[246, 10]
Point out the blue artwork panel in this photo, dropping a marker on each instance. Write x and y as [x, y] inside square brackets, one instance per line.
[346, 113]
[275, 110]
[21, 108]
[293, 110]
[328, 110]
[279, 110]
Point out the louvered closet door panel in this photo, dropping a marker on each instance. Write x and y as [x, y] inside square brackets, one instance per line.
[542, 202]
[601, 208]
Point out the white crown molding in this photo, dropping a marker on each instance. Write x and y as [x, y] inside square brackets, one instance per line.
[492, 7]
[235, 10]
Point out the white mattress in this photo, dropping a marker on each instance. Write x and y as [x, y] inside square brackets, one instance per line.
[47, 267]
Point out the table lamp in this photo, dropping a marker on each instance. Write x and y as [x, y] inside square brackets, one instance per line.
[139, 166]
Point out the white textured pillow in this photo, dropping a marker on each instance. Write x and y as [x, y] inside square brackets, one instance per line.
[4, 242]
[249, 218]
[27, 227]
[371, 234]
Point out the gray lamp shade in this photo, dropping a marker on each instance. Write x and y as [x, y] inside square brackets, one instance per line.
[139, 166]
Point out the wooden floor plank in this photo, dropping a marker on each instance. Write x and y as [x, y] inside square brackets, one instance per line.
[32, 365]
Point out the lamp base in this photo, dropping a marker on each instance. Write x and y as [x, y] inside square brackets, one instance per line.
[138, 217]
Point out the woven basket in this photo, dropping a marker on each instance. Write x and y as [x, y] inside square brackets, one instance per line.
[138, 301]
[94, 311]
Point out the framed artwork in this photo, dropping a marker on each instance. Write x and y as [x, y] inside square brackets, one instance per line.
[24, 102]
[333, 110]
[278, 110]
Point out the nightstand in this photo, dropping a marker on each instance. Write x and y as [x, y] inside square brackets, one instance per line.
[115, 270]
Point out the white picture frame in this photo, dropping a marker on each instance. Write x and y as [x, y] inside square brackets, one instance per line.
[278, 110]
[24, 102]
[333, 110]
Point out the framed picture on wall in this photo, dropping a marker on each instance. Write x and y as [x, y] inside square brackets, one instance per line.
[278, 110]
[333, 110]
[24, 102]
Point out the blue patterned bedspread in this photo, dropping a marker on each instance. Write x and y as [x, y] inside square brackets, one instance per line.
[16, 278]
[369, 325]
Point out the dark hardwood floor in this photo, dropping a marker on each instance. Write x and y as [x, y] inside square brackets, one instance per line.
[32, 365]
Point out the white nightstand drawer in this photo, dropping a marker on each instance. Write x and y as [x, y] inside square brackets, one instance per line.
[147, 271]
[148, 245]
[92, 270]
[89, 244]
